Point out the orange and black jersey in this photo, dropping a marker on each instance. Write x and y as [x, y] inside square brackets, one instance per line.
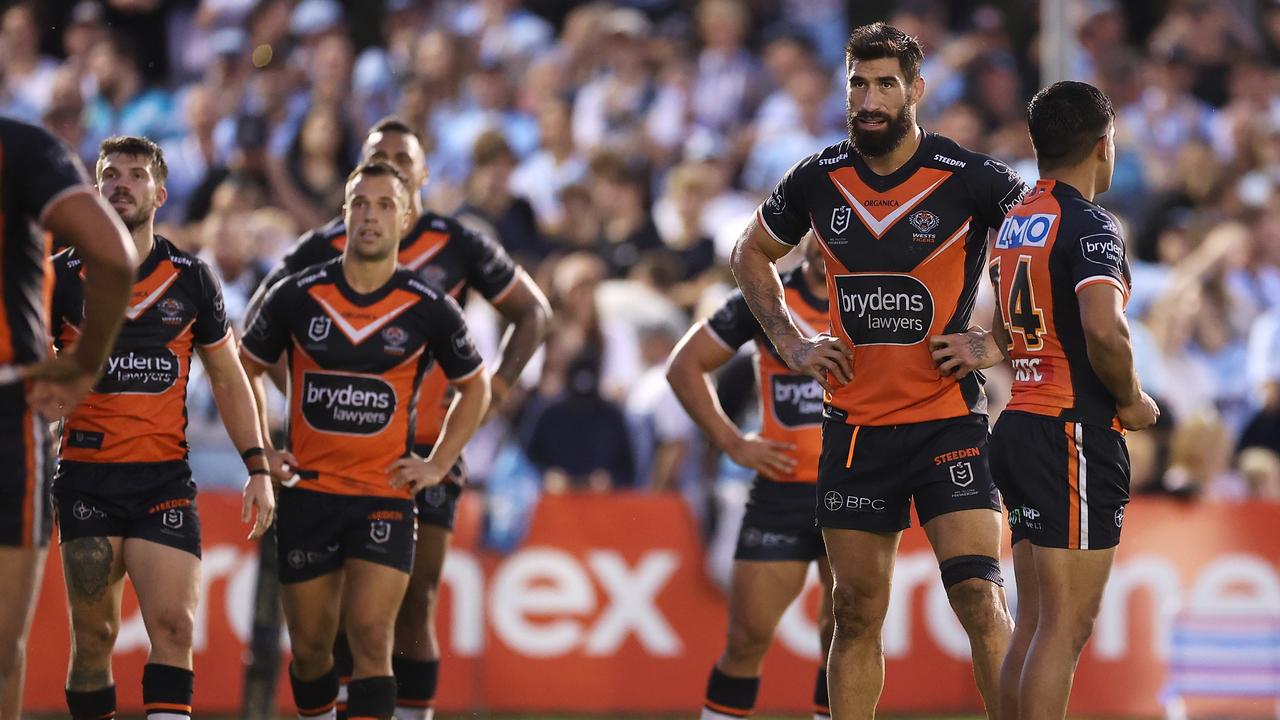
[904, 254]
[356, 362]
[138, 410]
[1054, 244]
[790, 404]
[35, 171]
[441, 252]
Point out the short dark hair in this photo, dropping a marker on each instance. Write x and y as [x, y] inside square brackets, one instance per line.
[1065, 120]
[136, 146]
[395, 124]
[380, 168]
[878, 40]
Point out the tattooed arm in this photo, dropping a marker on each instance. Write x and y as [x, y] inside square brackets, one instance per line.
[823, 357]
[974, 349]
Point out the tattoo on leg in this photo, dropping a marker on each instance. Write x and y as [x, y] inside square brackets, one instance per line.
[88, 565]
[86, 679]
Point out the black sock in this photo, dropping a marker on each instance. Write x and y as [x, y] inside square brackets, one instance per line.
[343, 664]
[371, 697]
[821, 699]
[166, 691]
[92, 704]
[732, 696]
[315, 698]
[415, 684]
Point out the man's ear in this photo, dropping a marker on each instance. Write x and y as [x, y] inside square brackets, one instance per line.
[917, 89]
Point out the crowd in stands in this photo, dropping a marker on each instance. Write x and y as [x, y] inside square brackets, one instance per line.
[616, 149]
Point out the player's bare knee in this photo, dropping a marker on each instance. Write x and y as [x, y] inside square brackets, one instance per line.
[369, 638]
[977, 605]
[858, 611]
[747, 644]
[92, 642]
[172, 628]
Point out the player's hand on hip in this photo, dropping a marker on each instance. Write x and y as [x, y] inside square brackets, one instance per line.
[282, 465]
[414, 473]
[770, 458]
[959, 354]
[823, 357]
[57, 385]
[259, 495]
[1139, 415]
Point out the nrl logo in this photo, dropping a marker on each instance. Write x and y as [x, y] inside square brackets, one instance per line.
[319, 328]
[840, 219]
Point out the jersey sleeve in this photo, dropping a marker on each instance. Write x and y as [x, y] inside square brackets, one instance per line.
[1098, 255]
[59, 300]
[268, 333]
[449, 341]
[783, 214]
[733, 324]
[211, 326]
[490, 268]
[40, 168]
[998, 189]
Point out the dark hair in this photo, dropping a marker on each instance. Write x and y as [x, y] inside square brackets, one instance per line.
[394, 124]
[878, 40]
[491, 146]
[136, 146]
[1065, 120]
[380, 168]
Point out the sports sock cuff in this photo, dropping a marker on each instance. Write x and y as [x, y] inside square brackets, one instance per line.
[731, 695]
[166, 690]
[92, 705]
[416, 681]
[314, 697]
[371, 697]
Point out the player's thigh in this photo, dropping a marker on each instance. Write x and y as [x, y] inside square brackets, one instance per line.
[312, 609]
[93, 572]
[370, 601]
[167, 582]
[760, 592]
[1070, 584]
[967, 532]
[862, 568]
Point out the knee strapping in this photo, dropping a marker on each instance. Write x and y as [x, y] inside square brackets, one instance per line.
[967, 567]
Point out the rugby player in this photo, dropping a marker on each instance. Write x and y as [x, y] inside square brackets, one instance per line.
[778, 539]
[450, 257]
[360, 333]
[123, 492]
[902, 216]
[42, 182]
[1057, 452]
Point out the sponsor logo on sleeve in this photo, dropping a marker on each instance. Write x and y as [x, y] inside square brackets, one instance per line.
[462, 344]
[777, 202]
[347, 404]
[884, 309]
[1105, 250]
[797, 400]
[140, 372]
[1027, 231]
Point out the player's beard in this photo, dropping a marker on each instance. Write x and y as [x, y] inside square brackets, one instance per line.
[137, 215]
[874, 143]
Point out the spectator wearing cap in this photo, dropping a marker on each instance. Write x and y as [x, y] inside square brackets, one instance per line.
[491, 205]
[27, 79]
[124, 104]
[556, 165]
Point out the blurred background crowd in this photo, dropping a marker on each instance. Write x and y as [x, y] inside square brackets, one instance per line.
[617, 149]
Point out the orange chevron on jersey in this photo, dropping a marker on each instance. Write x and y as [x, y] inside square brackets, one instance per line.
[880, 211]
[355, 321]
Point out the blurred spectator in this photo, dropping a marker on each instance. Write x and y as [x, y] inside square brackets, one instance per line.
[490, 202]
[124, 105]
[502, 29]
[692, 249]
[308, 181]
[627, 231]
[813, 129]
[489, 106]
[191, 155]
[610, 111]
[666, 440]
[26, 80]
[724, 90]
[545, 174]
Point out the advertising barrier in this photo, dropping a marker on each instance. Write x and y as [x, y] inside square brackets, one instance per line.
[606, 606]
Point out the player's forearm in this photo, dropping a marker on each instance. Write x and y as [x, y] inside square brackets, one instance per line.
[234, 395]
[469, 405]
[694, 391]
[259, 390]
[523, 336]
[761, 286]
[1111, 356]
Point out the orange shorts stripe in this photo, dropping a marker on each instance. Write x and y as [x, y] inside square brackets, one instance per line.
[168, 706]
[853, 440]
[726, 710]
[1073, 489]
[316, 710]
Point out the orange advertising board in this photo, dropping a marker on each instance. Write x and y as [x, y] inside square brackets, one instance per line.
[606, 606]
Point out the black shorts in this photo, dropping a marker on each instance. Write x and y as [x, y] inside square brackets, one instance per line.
[25, 452]
[150, 501]
[779, 523]
[317, 531]
[868, 475]
[1066, 484]
[437, 505]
